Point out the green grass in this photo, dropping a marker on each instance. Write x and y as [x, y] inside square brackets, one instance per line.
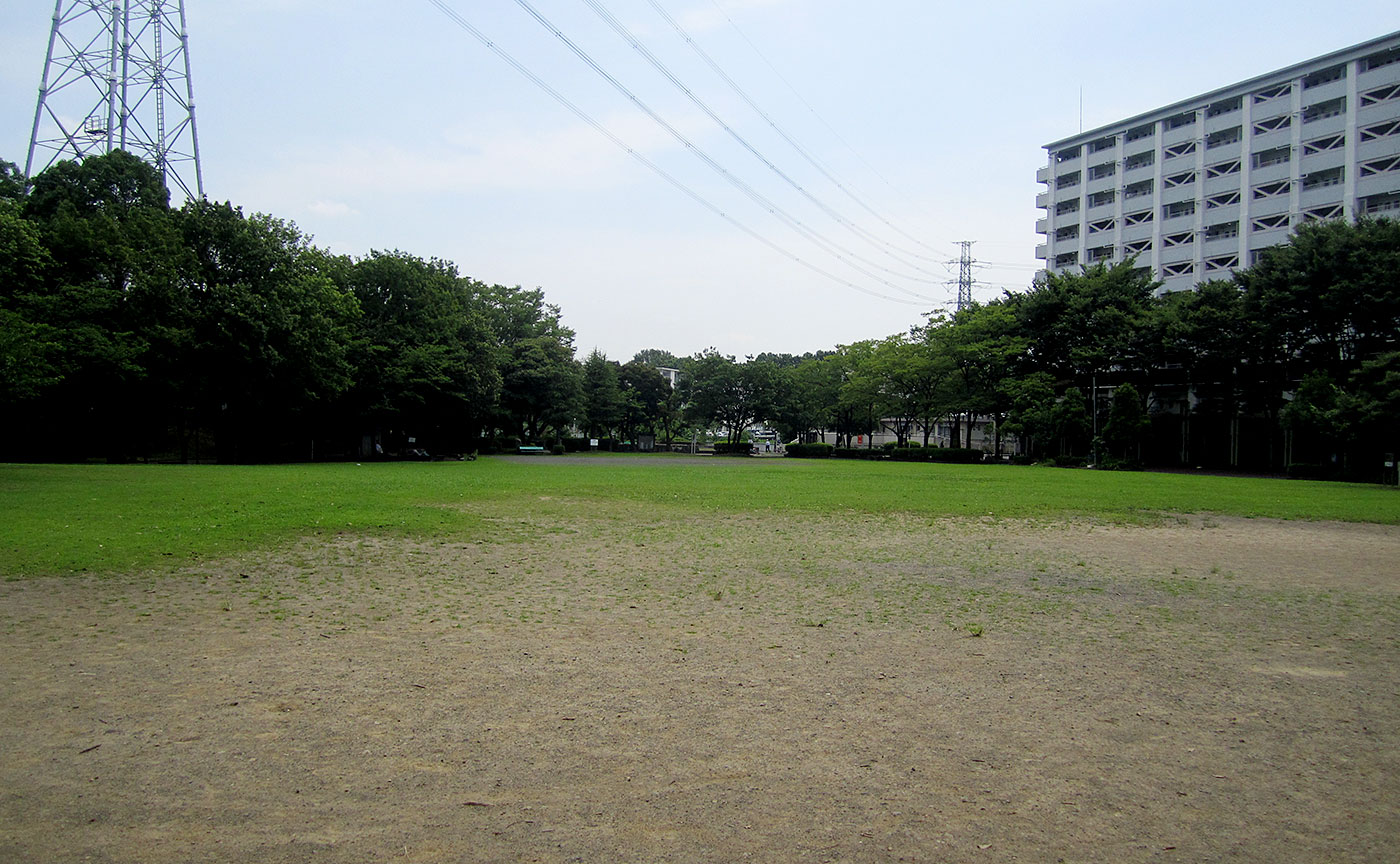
[114, 518]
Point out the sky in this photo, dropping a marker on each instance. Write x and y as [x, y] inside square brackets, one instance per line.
[918, 124]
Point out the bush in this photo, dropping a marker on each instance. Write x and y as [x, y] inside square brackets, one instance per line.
[557, 449]
[889, 446]
[809, 451]
[955, 455]
[724, 448]
[575, 445]
[857, 453]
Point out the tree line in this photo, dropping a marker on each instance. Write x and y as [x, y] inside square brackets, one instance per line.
[130, 329]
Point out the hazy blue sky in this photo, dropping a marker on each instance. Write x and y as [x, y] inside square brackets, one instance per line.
[378, 125]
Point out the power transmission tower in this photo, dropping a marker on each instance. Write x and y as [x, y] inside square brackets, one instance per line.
[117, 76]
[965, 280]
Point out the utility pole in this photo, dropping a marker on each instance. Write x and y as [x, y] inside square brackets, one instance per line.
[117, 77]
[965, 280]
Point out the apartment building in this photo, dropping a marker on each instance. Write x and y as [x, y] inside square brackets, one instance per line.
[1196, 189]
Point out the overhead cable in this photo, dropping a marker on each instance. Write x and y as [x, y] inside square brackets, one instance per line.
[657, 169]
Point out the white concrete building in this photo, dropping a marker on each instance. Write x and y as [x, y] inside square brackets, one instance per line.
[1196, 189]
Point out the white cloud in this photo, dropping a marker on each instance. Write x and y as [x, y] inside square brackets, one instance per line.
[332, 209]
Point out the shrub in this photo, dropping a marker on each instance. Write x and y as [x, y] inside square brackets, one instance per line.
[724, 448]
[575, 445]
[557, 449]
[857, 453]
[809, 451]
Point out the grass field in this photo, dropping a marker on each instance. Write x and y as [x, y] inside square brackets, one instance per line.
[663, 659]
[115, 518]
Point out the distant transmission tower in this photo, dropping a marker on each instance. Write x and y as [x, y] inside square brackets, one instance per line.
[965, 280]
[117, 76]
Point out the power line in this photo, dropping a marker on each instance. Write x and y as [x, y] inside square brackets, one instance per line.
[802, 151]
[829, 246]
[657, 169]
[627, 36]
[821, 120]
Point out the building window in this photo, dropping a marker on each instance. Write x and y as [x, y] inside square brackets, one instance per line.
[1275, 156]
[1222, 262]
[1325, 76]
[1176, 121]
[1380, 58]
[1224, 106]
[1066, 259]
[1069, 232]
[1381, 130]
[1273, 124]
[1269, 223]
[1103, 144]
[1380, 94]
[1380, 166]
[1066, 155]
[1098, 199]
[1222, 169]
[1137, 133]
[1320, 145]
[1138, 218]
[1137, 247]
[1330, 211]
[1222, 230]
[1106, 169]
[1100, 225]
[1323, 110]
[1272, 93]
[1100, 253]
[1139, 160]
[1134, 190]
[1223, 138]
[1182, 239]
[1326, 177]
[1178, 209]
[1387, 203]
[1271, 190]
[1181, 268]
[1070, 206]
[1224, 199]
[1064, 181]
[1185, 178]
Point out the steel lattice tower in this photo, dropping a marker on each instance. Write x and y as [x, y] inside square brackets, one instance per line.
[965, 280]
[117, 76]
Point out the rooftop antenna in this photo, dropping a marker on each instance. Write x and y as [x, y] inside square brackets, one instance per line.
[117, 77]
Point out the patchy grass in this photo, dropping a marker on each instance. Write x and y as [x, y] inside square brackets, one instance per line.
[111, 518]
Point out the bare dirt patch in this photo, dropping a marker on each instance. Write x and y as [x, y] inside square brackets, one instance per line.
[630, 686]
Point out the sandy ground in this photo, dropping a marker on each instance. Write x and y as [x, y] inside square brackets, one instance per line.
[623, 687]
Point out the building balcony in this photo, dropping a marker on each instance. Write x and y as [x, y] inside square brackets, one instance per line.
[1042, 226]
[1043, 200]
[1042, 251]
[1044, 173]
[1319, 195]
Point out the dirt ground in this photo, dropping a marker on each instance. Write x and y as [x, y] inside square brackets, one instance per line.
[632, 686]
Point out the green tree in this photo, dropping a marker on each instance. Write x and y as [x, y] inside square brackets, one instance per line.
[1126, 425]
[1077, 325]
[602, 395]
[732, 396]
[644, 394]
[271, 334]
[428, 361]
